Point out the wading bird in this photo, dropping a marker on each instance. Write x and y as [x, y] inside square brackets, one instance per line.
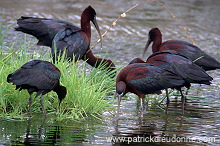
[183, 67]
[179, 65]
[38, 76]
[183, 48]
[63, 36]
[144, 78]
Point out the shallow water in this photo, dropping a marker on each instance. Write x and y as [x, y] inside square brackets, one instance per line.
[123, 43]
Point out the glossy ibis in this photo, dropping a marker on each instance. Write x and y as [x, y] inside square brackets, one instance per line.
[183, 48]
[144, 78]
[38, 76]
[169, 60]
[183, 67]
[63, 36]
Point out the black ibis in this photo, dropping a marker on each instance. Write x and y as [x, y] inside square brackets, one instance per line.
[38, 76]
[63, 36]
[183, 48]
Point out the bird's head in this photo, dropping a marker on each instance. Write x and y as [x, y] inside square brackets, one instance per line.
[120, 90]
[153, 34]
[9, 78]
[61, 92]
[91, 13]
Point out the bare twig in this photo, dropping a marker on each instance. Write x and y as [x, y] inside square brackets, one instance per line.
[123, 15]
[184, 28]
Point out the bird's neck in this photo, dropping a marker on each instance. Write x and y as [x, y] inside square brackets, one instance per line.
[157, 43]
[85, 25]
[95, 62]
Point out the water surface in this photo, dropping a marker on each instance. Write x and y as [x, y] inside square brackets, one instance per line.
[123, 43]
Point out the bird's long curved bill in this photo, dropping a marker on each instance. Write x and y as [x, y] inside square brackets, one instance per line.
[97, 28]
[119, 101]
[146, 47]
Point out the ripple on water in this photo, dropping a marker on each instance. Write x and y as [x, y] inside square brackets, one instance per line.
[123, 43]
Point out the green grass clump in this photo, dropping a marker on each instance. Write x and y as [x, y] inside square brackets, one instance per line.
[87, 88]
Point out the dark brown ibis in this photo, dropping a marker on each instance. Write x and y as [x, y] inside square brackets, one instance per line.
[144, 78]
[38, 76]
[169, 60]
[183, 48]
[63, 36]
[190, 72]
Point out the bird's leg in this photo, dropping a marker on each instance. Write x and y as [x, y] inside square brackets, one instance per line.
[142, 101]
[177, 94]
[42, 104]
[168, 100]
[183, 100]
[187, 91]
[30, 105]
[141, 106]
[59, 107]
[145, 104]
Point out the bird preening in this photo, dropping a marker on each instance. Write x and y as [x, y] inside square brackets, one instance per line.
[38, 76]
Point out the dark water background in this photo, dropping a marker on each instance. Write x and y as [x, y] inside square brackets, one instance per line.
[123, 43]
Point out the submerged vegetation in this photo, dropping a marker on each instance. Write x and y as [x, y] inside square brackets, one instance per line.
[87, 88]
